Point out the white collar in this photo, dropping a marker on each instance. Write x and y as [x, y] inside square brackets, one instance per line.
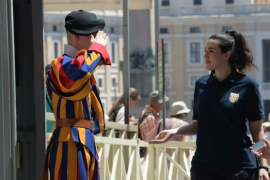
[70, 51]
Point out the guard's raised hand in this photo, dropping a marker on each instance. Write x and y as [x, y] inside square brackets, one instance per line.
[101, 38]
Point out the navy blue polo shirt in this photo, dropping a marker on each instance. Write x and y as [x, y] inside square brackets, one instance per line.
[223, 110]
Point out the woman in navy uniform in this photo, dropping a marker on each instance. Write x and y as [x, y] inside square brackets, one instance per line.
[226, 104]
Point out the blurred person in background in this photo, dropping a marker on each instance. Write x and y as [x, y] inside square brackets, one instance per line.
[149, 122]
[117, 112]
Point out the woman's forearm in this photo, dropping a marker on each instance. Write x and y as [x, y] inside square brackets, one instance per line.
[190, 129]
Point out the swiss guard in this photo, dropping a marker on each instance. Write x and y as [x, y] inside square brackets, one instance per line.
[72, 153]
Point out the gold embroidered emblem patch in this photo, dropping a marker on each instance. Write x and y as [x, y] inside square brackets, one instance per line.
[234, 98]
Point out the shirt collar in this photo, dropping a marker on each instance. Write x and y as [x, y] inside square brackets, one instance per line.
[149, 108]
[70, 51]
[230, 78]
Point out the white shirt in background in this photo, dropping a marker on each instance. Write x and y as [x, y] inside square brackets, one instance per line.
[120, 117]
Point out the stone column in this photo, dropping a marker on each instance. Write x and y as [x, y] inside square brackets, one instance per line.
[7, 96]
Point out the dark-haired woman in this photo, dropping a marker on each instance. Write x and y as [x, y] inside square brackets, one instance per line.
[226, 102]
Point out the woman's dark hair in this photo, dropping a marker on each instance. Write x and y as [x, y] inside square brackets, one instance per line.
[133, 94]
[241, 57]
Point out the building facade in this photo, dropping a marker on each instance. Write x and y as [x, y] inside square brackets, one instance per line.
[185, 27]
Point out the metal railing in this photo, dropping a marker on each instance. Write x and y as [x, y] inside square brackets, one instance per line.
[215, 9]
[120, 159]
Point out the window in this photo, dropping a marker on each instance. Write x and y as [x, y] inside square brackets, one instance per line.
[193, 79]
[100, 82]
[112, 30]
[163, 30]
[194, 30]
[114, 87]
[54, 28]
[56, 48]
[195, 52]
[229, 1]
[167, 52]
[266, 60]
[168, 82]
[114, 53]
[226, 28]
[197, 2]
[165, 2]
[114, 83]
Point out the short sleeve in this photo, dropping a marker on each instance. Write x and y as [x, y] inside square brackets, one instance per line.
[254, 106]
[120, 117]
[194, 105]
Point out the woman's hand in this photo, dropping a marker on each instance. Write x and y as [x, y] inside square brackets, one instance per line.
[263, 175]
[164, 136]
[101, 38]
[263, 152]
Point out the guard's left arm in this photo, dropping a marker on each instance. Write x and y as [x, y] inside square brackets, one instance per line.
[257, 133]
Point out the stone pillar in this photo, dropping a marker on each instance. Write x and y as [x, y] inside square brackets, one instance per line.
[30, 94]
[7, 96]
[49, 49]
[141, 38]
[120, 58]
[107, 79]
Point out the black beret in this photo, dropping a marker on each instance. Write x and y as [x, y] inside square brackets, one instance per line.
[83, 23]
